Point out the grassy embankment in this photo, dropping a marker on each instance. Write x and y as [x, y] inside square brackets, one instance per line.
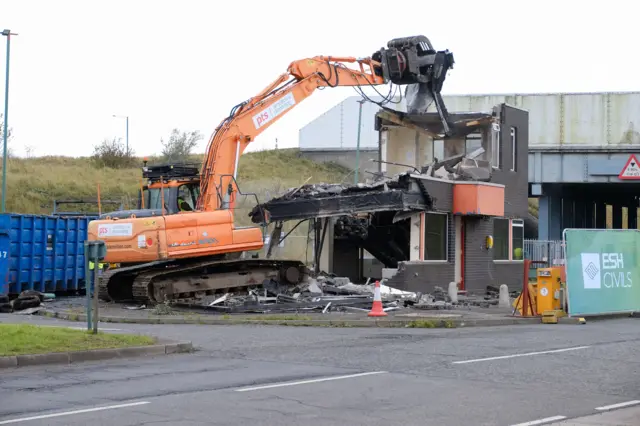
[34, 183]
[21, 339]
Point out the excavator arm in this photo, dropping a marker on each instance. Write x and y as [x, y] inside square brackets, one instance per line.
[410, 60]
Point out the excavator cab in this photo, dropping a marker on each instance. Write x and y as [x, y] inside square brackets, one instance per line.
[176, 187]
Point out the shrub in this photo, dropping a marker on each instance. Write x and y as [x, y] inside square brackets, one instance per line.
[113, 154]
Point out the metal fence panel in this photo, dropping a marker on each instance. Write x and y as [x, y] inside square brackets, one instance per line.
[550, 252]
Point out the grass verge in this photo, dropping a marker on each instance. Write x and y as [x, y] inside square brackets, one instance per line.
[23, 339]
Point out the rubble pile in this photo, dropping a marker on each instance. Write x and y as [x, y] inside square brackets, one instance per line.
[27, 302]
[327, 293]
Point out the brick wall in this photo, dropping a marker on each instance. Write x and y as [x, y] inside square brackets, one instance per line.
[480, 269]
[516, 183]
[424, 276]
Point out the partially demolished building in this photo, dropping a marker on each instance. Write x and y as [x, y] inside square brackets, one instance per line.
[436, 209]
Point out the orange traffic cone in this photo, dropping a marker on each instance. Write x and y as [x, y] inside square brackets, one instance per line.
[376, 309]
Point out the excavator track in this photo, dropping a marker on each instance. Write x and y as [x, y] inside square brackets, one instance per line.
[176, 280]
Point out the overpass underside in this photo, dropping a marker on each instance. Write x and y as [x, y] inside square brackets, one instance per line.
[580, 188]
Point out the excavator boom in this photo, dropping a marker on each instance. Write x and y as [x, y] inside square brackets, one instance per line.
[405, 61]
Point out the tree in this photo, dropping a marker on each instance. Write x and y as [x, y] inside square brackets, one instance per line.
[9, 137]
[180, 145]
[113, 154]
[9, 134]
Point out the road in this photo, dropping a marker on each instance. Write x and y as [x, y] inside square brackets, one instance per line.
[270, 375]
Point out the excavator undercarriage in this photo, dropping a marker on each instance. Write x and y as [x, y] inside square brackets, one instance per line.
[192, 279]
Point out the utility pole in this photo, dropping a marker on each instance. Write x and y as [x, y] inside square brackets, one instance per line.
[355, 176]
[5, 130]
[126, 117]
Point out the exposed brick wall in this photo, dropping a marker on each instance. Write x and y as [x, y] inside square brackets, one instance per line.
[441, 194]
[424, 276]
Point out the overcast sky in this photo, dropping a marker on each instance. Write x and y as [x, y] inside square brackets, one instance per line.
[185, 63]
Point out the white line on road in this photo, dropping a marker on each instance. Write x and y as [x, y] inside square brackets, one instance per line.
[542, 421]
[99, 329]
[69, 413]
[620, 405]
[519, 355]
[78, 328]
[304, 382]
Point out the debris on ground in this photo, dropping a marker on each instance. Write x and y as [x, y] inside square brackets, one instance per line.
[28, 302]
[326, 293]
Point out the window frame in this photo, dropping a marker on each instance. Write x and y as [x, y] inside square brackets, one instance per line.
[516, 223]
[512, 224]
[496, 155]
[514, 149]
[424, 239]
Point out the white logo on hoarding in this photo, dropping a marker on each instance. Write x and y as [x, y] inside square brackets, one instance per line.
[592, 275]
[591, 270]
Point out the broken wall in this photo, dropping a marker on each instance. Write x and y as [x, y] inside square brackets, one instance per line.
[404, 146]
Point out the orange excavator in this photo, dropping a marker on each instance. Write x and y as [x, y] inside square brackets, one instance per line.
[182, 243]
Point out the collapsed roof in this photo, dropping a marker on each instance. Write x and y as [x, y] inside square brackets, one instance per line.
[325, 200]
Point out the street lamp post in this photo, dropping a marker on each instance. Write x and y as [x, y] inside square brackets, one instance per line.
[355, 176]
[5, 130]
[127, 134]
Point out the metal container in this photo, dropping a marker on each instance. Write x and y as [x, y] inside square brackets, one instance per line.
[43, 253]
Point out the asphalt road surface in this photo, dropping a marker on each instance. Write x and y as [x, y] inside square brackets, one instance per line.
[270, 375]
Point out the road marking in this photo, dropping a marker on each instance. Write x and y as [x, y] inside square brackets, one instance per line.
[542, 421]
[304, 382]
[99, 328]
[69, 413]
[519, 355]
[620, 405]
[78, 328]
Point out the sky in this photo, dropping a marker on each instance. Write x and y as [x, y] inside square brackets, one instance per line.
[184, 64]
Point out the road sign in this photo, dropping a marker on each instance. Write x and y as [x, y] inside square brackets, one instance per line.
[631, 170]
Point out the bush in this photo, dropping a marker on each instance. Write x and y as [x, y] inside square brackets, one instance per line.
[180, 145]
[113, 154]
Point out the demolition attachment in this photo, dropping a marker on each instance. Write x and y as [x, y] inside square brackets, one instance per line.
[413, 61]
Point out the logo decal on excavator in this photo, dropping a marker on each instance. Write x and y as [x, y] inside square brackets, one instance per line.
[182, 244]
[208, 241]
[274, 110]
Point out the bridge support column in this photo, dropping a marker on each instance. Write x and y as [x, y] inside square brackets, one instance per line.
[549, 215]
[601, 215]
[589, 214]
[632, 213]
[632, 222]
[579, 213]
[617, 215]
[568, 213]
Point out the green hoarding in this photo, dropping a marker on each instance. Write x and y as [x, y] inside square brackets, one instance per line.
[602, 271]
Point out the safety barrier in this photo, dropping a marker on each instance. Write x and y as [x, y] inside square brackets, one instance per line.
[603, 274]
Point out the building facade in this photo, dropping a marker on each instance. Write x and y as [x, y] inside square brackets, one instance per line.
[474, 234]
